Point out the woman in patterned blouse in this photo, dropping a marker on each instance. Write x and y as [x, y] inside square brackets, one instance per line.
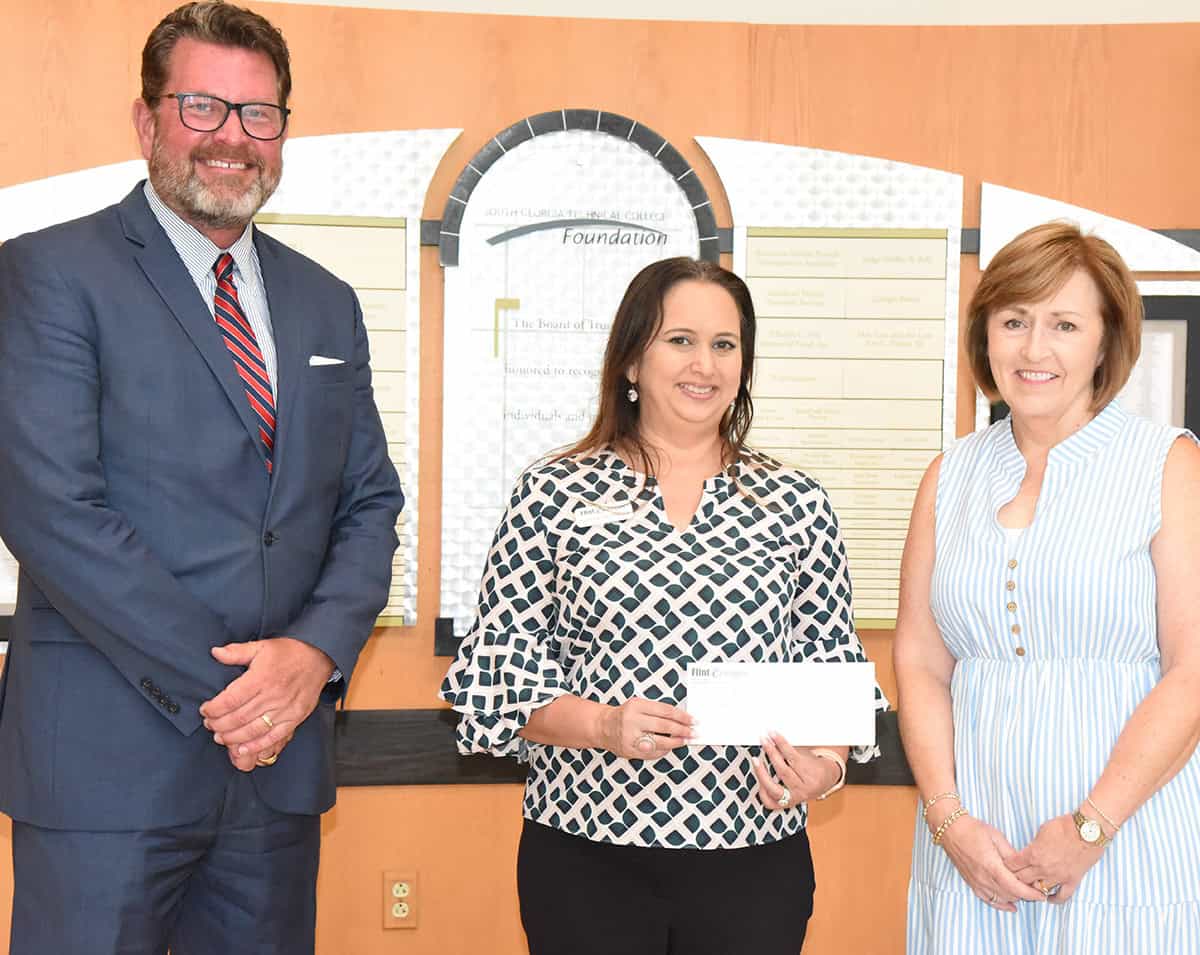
[657, 541]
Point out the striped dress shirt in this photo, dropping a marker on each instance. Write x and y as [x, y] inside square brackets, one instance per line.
[199, 254]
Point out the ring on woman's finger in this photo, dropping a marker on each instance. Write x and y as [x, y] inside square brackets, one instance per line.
[785, 798]
[645, 743]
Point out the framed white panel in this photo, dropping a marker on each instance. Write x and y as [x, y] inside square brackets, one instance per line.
[854, 266]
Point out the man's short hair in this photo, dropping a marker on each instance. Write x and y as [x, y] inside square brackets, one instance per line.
[1034, 266]
[212, 21]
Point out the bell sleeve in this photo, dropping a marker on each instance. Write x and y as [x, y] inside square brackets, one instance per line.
[507, 665]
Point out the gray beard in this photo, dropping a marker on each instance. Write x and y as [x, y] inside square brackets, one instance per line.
[181, 189]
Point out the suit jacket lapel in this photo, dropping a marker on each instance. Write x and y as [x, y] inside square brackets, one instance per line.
[166, 272]
[286, 309]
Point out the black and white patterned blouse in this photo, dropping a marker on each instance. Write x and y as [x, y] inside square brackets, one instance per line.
[589, 589]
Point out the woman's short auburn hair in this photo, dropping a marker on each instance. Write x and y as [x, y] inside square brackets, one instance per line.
[1034, 266]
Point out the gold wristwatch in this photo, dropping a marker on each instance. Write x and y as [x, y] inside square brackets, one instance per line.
[1090, 831]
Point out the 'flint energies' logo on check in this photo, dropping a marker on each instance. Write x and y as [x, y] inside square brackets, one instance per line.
[589, 232]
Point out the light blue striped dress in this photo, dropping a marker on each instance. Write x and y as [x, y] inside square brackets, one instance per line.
[1055, 639]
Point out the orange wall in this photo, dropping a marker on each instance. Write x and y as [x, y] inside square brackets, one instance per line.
[1102, 117]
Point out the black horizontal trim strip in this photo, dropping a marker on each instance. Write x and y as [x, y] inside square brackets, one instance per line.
[1188, 237]
[416, 748]
[410, 748]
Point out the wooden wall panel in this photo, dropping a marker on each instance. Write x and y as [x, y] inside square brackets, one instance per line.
[1100, 116]
[464, 850]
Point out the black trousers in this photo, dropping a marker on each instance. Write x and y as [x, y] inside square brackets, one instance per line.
[580, 897]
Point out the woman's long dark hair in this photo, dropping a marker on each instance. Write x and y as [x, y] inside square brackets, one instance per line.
[638, 319]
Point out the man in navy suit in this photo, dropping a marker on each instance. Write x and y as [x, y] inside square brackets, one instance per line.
[197, 487]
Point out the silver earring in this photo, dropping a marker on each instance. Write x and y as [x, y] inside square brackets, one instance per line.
[632, 394]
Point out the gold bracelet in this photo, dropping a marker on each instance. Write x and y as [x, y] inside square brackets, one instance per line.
[950, 820]
[837, 761]
[1100, 813]
[949, 794]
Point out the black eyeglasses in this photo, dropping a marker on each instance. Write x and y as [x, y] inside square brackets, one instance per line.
[204, 113]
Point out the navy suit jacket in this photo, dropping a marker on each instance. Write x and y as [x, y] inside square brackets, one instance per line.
[136, 499]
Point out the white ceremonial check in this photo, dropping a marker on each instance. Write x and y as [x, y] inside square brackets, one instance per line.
[809, 704]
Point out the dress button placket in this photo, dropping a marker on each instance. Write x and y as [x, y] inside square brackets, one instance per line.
[1011, 605]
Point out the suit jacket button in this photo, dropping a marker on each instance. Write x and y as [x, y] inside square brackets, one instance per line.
[270, 538]
[147, 684]
[172, 708]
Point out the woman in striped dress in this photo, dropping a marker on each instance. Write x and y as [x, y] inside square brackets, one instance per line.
[1048, 642]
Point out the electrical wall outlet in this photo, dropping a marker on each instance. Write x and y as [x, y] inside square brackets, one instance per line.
[400, 899]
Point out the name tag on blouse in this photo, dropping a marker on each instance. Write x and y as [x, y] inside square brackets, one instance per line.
[589, 515]
[810, 704]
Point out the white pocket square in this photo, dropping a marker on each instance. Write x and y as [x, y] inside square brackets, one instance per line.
[315, 360]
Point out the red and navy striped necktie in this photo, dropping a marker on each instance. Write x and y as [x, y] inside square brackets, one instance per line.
[247, 358]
